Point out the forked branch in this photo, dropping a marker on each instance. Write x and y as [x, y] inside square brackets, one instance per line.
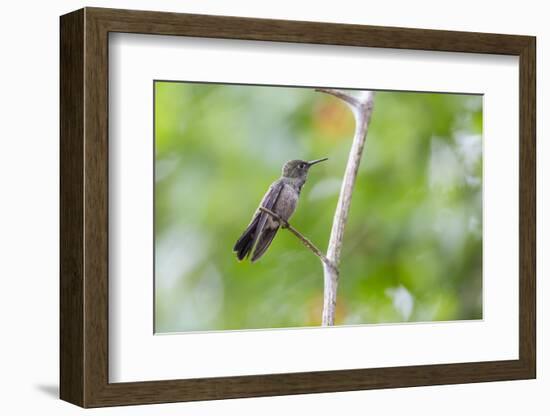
[361, 105]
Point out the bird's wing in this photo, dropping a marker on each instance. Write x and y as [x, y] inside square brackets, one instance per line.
[244, 245]
[272, 194]
[268, 201]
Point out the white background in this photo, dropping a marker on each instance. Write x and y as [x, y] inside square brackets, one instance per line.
[136, 355]
[29, 210]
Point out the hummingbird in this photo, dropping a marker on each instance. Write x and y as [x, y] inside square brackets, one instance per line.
[281, 198]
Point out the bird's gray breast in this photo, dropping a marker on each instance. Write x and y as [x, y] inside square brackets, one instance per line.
[286, 203]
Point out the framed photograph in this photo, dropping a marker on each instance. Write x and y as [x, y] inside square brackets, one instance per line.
[257, 207]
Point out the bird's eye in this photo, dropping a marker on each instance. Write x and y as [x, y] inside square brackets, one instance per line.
[302, 165]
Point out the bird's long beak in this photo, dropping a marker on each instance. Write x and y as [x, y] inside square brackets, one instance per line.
[313, 162]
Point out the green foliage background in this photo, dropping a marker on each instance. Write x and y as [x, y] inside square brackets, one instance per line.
[413, 243]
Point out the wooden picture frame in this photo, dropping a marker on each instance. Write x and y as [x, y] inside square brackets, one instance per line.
[84, 207]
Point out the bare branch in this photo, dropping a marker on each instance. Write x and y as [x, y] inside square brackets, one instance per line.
[286, 225]
[362, 110]
[350, 99]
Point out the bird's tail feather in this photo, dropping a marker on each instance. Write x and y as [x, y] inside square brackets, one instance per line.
[245, 243]
[263, 242]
